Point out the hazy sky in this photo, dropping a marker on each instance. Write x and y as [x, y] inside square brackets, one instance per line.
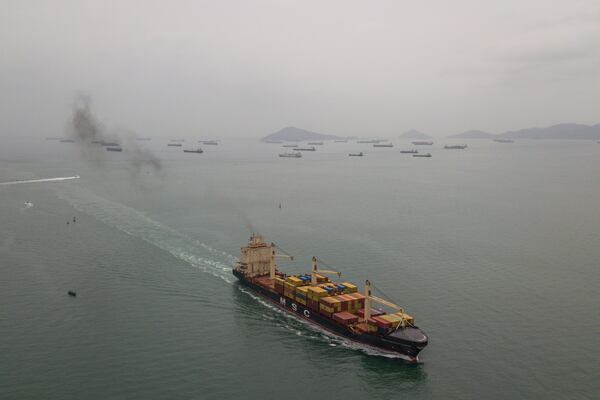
[248, 68]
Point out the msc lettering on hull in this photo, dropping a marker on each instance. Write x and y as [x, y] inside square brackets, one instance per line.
[294, 307]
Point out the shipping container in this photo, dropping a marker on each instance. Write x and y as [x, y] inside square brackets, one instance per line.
[312, 304]
[349, 287]
[301, 300]
[322, 279]
[345, 318]
[315, 293]
[374, 312]
[382, 323]
[294, 280]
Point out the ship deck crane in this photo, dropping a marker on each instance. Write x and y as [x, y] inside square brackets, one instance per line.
[369, 298]
[315, 269]
[273, 265]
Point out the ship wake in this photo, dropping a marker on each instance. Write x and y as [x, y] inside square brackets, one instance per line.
[137, 224]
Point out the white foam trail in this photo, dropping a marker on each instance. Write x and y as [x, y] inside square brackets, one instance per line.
[137, 224]
[60, 178]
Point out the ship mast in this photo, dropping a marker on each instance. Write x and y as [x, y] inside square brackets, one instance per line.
[273, 265]
[369, 298]
[315, 269]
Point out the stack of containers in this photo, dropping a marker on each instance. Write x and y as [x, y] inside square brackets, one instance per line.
[398, 318]
[294, 280]
[330, 305]
[279, 285]
[374, 312]
[315, 293]
[345, 318]
[302, 294]
[393, 319]
[345, 300]
[322, 279]
[289, 290]
[349, 288]
[369, 326]
[358, 302]
[383, 325]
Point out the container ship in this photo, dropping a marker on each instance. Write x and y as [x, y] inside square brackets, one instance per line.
[336, 307]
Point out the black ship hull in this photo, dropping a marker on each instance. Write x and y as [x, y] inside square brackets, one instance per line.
[407, 342]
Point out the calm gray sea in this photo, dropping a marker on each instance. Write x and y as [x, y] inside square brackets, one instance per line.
[494, 249]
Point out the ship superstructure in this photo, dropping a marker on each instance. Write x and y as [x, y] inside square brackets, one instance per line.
[334, 305]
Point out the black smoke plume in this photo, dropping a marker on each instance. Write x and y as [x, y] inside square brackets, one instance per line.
[89, 134]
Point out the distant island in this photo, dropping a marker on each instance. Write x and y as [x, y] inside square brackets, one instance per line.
[293, 134]
[559, 131]
[414, 134]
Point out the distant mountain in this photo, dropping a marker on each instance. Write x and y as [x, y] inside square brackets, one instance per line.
[559, 131]
[293, 134]
[473, 134]
[414, 134]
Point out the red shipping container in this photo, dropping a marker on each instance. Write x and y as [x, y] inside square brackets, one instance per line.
[312, 304]
[382, 323]
[345, 318]
[374, 313]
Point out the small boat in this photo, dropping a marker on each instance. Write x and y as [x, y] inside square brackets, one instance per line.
[110, 144]
[356, 154]
[315, 143]
[114, 149]
[341, 141]
[504, 140]
[72, 293]
[198, 150]
[384, 145]
[422, 143]
[145, 139]
[290, 145]
[210, 142]
[67, 141]
[422, 155]
[455, 147]
[174, 145]
[305, 148]
[411, 151]
[291, 155]
[178, 140]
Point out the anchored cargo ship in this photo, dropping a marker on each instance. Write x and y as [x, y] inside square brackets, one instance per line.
[455, 147]
[198, 150]
[296, 154]
[337, 307]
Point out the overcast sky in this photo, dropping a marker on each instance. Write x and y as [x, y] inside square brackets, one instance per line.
[248, 68]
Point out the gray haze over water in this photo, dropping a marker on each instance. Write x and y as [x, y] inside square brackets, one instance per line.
[493, 249]
[239, 68]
